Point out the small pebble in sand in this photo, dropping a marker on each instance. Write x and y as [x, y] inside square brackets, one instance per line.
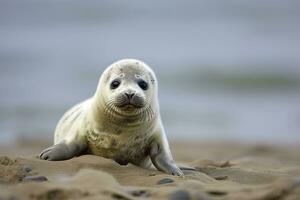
[27, 168]
[165, 181]
[219, 178]
[35, 178]
[185, 195]
[140, 193]
[217, 193]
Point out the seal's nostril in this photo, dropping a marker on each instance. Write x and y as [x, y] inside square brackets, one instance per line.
[129, 95]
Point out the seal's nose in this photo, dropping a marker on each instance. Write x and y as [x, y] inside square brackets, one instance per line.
[129, 95]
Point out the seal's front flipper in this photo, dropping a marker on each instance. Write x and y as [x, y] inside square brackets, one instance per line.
[163, 160]
[60, 151]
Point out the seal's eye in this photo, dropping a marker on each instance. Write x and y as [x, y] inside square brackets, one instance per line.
[115, 84]
[143, 84]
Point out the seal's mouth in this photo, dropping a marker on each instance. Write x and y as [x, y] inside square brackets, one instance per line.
[141, 112]
[129, 106]
[129, 102]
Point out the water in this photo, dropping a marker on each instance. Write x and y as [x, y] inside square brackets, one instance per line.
[227, 70]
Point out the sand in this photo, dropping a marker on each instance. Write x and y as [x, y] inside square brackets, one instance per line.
[223, 171]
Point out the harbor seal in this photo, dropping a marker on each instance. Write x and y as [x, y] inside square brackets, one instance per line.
[121, 121]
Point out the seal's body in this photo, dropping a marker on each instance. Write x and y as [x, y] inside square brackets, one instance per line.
[121, 121]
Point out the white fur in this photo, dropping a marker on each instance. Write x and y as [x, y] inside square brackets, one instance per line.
[87, 124]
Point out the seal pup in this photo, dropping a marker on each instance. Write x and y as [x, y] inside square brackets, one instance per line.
[121, 121]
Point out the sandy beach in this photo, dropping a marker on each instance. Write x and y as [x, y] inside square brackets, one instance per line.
[223, 171]
[228, 75]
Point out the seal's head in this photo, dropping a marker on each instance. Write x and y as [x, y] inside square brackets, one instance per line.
[128, 87]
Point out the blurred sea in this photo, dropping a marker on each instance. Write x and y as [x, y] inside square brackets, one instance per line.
[227, 70]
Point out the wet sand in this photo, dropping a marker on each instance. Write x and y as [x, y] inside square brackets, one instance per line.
[223, 171]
